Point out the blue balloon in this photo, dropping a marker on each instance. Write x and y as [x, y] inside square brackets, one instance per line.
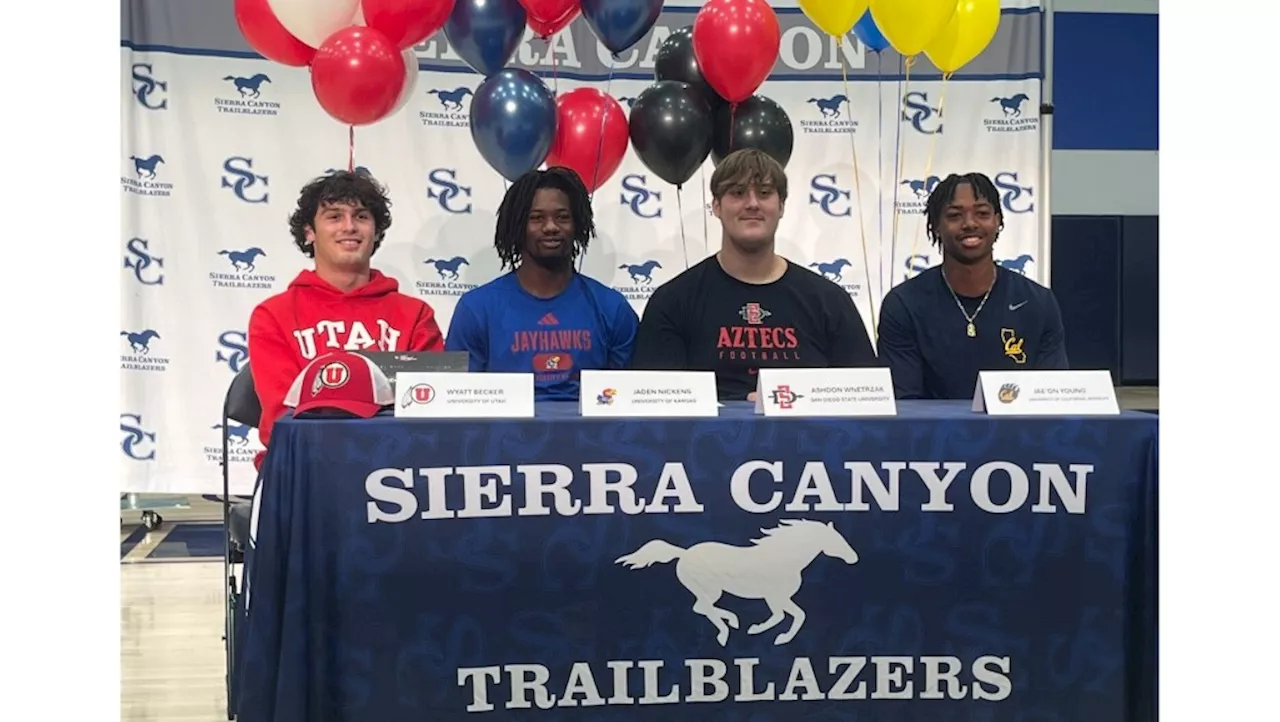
[621, 23]
[869, 33]
[485, 33]
[513, 121]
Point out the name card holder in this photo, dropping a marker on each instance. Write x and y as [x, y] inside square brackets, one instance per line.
[1045, 393]
[446, 395]
[825, 392]
[648, 394]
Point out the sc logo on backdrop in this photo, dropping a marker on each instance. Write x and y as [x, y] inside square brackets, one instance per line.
[636, 196]
[443, 188]
[145, 86]
[237, 350]
[139, 259]
[238, 175]
[1015, 197]
[138, 443]
[826, 195]
[917, 111]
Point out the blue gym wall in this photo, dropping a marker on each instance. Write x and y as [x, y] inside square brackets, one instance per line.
[1105, 182]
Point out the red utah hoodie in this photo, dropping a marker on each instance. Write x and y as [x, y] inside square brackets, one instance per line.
[290, 329]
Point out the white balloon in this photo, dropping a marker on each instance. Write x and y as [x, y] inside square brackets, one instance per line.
[359, 18]
[410, 78]
[313, 21]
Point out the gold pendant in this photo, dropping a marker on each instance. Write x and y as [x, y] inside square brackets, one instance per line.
[972, 331]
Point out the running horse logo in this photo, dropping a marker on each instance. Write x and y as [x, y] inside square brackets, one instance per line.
[447, 267]
[834, 270]
[243, 260]
[140, 341]
[237, 434]
[451, 99]
[770, 569]
[248, 87]
[829, 107]
[146, 167]
[1012, 107]
[641, 272]
[1018, 265]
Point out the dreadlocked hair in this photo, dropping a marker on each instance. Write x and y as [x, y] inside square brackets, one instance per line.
[945, 192]
[513, 215]
[356, 187]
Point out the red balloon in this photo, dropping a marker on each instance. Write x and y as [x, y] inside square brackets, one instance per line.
[736, 44]
[406, 22]
[583, 117]
[357, 75]
[267, 36]
[548, 17]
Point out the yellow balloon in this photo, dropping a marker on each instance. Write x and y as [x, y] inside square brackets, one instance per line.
[966, 36]
[834, 17]
[909, 25]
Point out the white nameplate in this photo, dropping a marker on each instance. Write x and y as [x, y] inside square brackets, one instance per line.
[1039, 393]
[825, 392]
[648, 393]
[444, 395]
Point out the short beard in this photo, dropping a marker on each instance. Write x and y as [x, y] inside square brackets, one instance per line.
[551, 263]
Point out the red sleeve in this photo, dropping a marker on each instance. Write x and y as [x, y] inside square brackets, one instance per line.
[426, 334]
[274, 365]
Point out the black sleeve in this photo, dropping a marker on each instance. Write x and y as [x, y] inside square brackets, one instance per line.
[850, 345]
[660, 342]
[899, 350]
[1053, 344]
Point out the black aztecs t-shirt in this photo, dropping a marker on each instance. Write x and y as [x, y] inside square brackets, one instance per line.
[706, 320]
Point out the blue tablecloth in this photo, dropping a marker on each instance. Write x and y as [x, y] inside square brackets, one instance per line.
[790, 569]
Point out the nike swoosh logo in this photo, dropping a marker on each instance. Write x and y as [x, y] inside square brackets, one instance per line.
[1016, 306]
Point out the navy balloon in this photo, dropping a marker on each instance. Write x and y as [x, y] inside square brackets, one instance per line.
[621, 23]
[485, 33]
[513, 121]
[868, 33]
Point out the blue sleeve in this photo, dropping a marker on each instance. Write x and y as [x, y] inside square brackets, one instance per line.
[467, 333]
[1053, 343]
[622, 337]
[899, 350]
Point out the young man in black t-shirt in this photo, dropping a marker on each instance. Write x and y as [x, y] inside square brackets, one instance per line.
[939, 329]
[746, 307]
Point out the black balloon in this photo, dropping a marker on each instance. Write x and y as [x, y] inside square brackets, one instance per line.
[757, 123]
[676, 61]
[671, 130]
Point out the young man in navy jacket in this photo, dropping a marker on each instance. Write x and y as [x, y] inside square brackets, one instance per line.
[939, 329]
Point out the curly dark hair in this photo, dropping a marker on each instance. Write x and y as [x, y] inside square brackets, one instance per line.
[513, 214]
[340, 187]
[945, 192]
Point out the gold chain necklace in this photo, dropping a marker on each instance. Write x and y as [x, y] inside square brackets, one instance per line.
[971, 330]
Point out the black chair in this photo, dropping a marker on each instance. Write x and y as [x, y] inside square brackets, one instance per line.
[242, 407]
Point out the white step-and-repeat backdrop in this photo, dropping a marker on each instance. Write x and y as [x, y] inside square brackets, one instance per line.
[217, 143]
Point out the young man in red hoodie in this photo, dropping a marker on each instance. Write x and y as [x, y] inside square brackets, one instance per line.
[340, 221]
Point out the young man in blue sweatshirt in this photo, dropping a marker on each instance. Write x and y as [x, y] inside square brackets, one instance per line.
[543, 316]
[939, 329]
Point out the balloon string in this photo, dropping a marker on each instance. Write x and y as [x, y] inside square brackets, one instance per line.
[880, 165]
[898, 165]
[684, 244]
[351, 149]
[604, 118]
[928, 163]
[857, 183]
[706, 209]
[733, 110]
[555, 69]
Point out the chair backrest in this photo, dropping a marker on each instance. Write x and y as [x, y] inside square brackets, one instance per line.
[242, 405]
